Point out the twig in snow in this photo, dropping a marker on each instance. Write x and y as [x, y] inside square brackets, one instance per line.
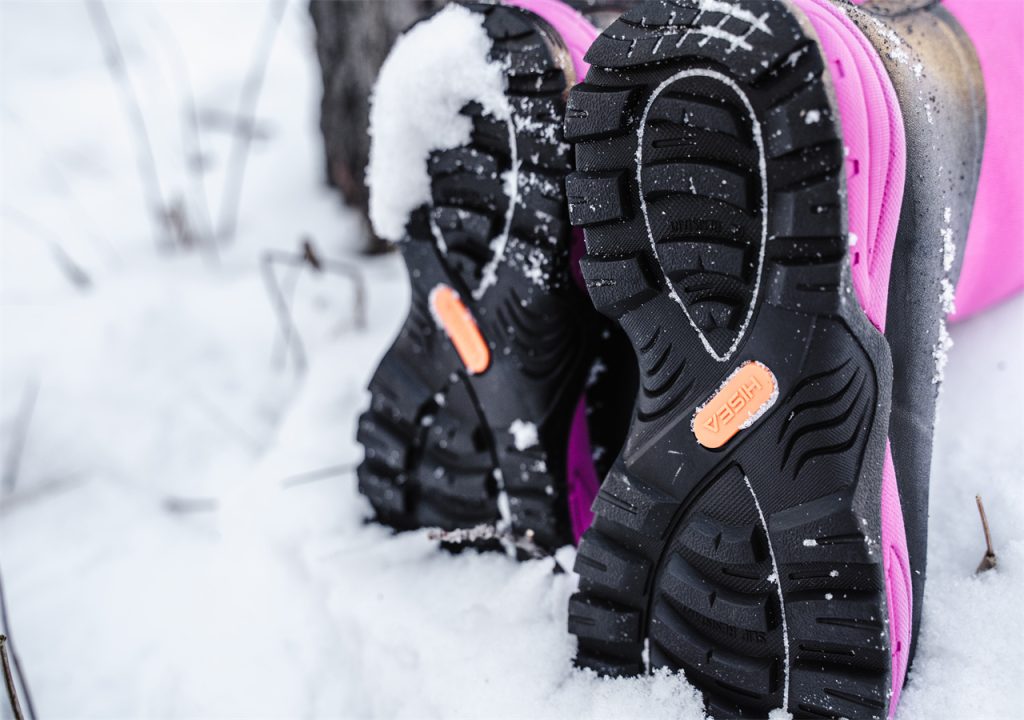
[345, 269]
[19, 437]
[191, 141]
[989, 561]
[41, 488]
[145, 159]
[246, 114]
[71, 269]
[223, 420]
[281, 298]
[227, 123]
[12, 692]
[185, 506]
[282, 305]
[484, 534]
[11, 666]
[314, 475]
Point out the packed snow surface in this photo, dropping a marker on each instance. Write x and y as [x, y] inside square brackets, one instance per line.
[182, 536]
[427, 79]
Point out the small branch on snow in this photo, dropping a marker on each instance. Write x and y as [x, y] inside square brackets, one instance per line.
[12, 692]
[989, 561]
[145, 158]
[191, 141]
[41, 488]
[19, 436]
[338, 267]
[321, 474]
[71, 269]
[241, 141]
[185, 506]
[307, 257]
[485, 533]
[282, 305]
[11, 666]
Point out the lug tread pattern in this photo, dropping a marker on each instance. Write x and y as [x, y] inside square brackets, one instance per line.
[680, 539]
[438, 451]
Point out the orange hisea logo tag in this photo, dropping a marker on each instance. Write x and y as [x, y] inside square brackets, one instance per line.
[748, 392]
[452, 314]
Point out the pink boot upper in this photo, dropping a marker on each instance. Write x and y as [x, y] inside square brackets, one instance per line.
[876, 151]
[873, 134]
[993, 268]
[575, 30]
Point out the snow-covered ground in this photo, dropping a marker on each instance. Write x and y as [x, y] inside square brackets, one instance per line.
[163, 554]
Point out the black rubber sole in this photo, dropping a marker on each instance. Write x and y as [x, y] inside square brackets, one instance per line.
[439, 441]
[710, 185]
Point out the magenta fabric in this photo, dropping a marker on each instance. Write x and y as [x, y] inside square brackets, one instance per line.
[581, 476]
[899, 593]
[873, 133]
[582, 480]
[993, 268]
[575, 30]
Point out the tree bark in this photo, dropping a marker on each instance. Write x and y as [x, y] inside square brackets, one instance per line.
[352, 40]
[353, 37]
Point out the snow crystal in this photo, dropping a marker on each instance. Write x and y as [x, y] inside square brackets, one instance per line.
[940, 353]
[536, 270]
[596, 370]
[793, 57]
[433, 71]
[948, 249]
[812, 117]
[524, 434]
[947, 296]
[897, 50]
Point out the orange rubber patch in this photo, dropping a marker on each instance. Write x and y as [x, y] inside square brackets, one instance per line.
[748, 392]
[458, 323]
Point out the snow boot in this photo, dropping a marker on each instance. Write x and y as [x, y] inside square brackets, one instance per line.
[772, 195]
[477, 414]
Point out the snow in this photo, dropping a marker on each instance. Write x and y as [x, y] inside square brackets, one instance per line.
[524, 434]
[423, 85]
[947, 297]
[167, 550]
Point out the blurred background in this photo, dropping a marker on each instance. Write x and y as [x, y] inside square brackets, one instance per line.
[191, 306]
